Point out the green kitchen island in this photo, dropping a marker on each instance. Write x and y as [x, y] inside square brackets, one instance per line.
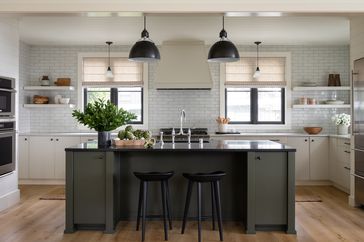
[258, 190]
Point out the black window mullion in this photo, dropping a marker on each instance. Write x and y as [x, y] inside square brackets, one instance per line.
[254, 105]
[84, 98]
[114, 95]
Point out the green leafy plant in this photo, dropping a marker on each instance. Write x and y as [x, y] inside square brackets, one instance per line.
[103, 115]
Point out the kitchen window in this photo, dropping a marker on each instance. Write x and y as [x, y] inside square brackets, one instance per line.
[126, 89]
[256, 101]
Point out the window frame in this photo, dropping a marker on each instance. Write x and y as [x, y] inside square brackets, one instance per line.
[114, 98]
[80, 87]
[287, 95]
[254, 108]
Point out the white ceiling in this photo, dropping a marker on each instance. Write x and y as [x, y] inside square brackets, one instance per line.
[288, 30]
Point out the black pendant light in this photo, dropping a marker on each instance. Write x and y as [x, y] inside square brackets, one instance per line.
[257, 70]
[144, 50]
[223, 50]
[109, 73]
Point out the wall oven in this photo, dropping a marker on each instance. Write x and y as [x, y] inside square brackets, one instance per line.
[7, 147]
[7, 97]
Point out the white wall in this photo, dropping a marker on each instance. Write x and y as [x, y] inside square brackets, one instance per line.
[309, 63]
[9, 66]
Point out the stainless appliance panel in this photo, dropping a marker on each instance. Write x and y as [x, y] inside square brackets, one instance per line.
[7, 151]
[359, 162]
[359, 141]
[7, 97]
[359, 190]
[358, 96]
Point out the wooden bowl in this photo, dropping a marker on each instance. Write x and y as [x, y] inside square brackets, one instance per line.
[313, 130]
[129, 142]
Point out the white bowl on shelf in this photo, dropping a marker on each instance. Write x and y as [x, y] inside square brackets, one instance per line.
[64, 100]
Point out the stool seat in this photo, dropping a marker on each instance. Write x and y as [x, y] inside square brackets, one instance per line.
[205, 177]
[154, 176]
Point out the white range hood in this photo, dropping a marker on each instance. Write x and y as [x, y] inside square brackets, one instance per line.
[183, 65]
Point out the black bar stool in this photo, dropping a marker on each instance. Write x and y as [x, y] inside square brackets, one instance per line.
[214, 180]
[145, 178]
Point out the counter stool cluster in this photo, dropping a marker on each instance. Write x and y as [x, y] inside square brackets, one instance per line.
[213, 179]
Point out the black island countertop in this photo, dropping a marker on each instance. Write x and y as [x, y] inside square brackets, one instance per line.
[221, 145]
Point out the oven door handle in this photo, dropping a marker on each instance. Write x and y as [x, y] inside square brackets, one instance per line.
[7, 90]
[6, 133]
[361, 177]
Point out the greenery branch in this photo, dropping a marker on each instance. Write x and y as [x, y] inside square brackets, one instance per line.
[103, 115]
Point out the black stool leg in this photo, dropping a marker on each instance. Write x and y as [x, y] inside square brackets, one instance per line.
[213, 205]
[145, 198]
[218, 208]
[187, 205]
[168, 206]
[199, 210]
[139, 204]
[164, 209]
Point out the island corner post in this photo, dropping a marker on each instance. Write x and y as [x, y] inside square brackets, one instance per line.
[99, 191]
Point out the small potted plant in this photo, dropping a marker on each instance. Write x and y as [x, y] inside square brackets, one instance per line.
[103, 116]
[342, 121]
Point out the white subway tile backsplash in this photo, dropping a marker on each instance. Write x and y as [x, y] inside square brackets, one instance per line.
[309, 63]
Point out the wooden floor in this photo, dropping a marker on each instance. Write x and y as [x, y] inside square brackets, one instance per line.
[43, 220]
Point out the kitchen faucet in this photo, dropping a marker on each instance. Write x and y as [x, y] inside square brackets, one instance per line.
[182, 117]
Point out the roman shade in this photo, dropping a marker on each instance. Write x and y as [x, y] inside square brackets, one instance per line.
[126, 73]
[272, 72]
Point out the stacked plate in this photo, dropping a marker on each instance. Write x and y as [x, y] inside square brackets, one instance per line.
[334, 102]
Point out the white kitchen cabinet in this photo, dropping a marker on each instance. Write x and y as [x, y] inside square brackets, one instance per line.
[302, 161]
[23, 157]
[41, 157]
[319, 151]
[60, 143]
[340, 163]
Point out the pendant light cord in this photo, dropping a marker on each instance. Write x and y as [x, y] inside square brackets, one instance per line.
[223, 22]
[145, 22]
[109, 54]
[257, 55]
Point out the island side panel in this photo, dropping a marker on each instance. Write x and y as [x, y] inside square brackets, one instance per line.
[250, 196]
[291, 227]
[70, 227]
[110, 212]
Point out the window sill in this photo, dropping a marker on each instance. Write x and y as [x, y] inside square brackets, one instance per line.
[258, 126]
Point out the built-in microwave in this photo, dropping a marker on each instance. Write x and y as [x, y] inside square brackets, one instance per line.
[7, 147]
[7, 97]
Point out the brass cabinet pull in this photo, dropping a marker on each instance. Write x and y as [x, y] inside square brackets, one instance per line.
[346, 143]
[347, 151]
[347, 168]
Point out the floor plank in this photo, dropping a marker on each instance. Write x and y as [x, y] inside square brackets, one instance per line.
[43, 220]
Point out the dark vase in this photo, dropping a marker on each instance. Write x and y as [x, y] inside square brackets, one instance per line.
[103, 139]
[332, 81]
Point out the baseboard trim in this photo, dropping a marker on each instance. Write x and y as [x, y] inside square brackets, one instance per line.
[41, 182]
[352, 203]
[10, 199]
[314, 183]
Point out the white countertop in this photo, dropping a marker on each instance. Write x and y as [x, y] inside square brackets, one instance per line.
[211, 134]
